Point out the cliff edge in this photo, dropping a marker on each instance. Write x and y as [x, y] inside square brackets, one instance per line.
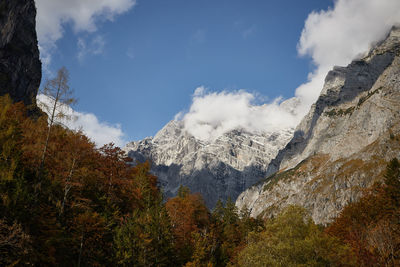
[20, 66]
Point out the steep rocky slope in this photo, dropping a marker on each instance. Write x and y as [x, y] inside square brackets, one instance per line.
[20, 67]
[344, 142]
[217, 169]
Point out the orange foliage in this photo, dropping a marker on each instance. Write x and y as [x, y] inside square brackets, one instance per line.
[371, 225]
[188, 215]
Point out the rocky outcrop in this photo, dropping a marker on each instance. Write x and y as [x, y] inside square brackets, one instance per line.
[20, 66]
[217, 169]
[343, 144]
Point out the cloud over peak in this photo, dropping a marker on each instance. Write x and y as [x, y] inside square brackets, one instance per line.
[215, 113]
[340, 34]
[330, 37]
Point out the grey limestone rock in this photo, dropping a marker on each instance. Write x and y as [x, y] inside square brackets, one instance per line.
[342, 145]
[217, 169]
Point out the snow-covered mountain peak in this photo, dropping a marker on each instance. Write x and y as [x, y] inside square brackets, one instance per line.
[218, 168]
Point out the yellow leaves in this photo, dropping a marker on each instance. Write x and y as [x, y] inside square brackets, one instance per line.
[10, 138]
[146, 239]
[292, 239]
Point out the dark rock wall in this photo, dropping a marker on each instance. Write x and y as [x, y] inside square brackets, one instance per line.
[20, 66]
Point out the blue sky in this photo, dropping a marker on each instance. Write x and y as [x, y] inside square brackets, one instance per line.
[140, 68]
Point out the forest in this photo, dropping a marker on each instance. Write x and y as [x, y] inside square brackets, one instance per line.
[66, 202]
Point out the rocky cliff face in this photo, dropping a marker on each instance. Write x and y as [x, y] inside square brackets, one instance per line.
[20, 67]
[217, 169]
[344, 142]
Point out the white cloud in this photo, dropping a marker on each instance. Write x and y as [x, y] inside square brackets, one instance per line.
[199, 91]
[83, 15]
[212, 114]
[178, 116]
[338, 35]
[331, 37]
[99, 132]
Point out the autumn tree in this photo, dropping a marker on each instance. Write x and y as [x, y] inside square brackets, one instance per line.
[249, 224]
[292, 239]
[15, 245]
[10, 136]
[371, 226]
[114, 166]
[57, 92]
[144, 238]
[189, 215]
[227, 223]
[90, 200]
[206, 248]
[11, 118]
[78, 151]
[89, 228]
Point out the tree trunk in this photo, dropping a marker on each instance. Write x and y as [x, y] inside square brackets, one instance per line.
[80, 251]
[46, 144]
[67, 187]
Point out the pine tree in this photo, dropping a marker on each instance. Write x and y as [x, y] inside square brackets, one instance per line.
[230, 214]
[392, 181]
[145, 239]
[218, 210]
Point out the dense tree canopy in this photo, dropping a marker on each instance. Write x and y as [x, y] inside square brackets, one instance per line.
[89, 207]
[371, 226]
[292, 239]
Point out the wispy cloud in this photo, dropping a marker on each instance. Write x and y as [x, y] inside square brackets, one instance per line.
[195, 40]
[245, 30]
[82, 15]
[249, 31]
[130, 53]
[90, 46]
[199, 36]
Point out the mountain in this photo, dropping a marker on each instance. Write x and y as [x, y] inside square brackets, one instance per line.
[217, 169]
[343, 144]
[20, 66]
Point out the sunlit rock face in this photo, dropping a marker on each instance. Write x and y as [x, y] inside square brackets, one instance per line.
[217, 169]
[20, 66]
[343, 144]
